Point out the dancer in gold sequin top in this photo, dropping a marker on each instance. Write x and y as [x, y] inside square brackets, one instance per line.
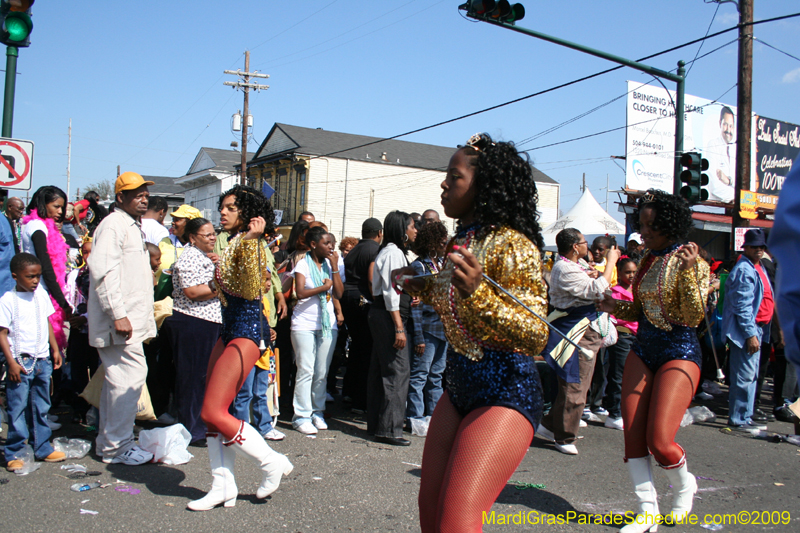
[662, 372]
[484, 422]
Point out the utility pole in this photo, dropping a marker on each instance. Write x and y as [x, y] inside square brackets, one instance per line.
[583, 187]
[245, 85]
[69, 154]
[608, 186]
[744, 105]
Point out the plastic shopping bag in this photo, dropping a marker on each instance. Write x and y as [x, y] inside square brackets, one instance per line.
[168, 444]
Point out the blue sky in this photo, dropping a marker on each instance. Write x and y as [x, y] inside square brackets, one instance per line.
[142, 81]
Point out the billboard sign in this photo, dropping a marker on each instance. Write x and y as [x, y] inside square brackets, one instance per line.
[710, 128]
[777, 144]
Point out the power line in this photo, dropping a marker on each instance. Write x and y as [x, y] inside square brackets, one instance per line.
[295, 25]
[704, 41]
[776, 49]
[561, 86]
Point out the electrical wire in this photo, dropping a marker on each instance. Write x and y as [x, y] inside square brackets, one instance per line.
[703, 42]
[295, 25]
[776, 49]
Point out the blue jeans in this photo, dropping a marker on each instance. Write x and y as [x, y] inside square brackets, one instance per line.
[313, 355]
[742, 392]
[617, 355]
[28, 405]
[254, 389]
[425, 383]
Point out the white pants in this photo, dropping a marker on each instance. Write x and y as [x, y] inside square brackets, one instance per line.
[126, 372]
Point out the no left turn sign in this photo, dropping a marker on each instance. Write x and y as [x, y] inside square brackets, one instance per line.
[16, 164]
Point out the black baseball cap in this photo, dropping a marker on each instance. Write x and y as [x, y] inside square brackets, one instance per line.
[371, 225]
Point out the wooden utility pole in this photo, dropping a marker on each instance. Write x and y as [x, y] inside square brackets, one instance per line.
[245, 85]
[744, 105]
[69, 154]
[583, 187]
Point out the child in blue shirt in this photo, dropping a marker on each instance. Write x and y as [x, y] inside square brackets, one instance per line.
[28, 342]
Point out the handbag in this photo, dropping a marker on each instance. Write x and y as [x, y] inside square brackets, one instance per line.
[164, 287]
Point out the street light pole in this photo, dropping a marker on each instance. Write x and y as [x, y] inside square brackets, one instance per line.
[11, 83]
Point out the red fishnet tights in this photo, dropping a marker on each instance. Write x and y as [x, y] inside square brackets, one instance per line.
[466, 463]
[653, 406]
[227, 369]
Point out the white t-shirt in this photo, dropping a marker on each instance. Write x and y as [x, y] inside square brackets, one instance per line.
[154, 231]
[27, 232]
[306, 315]
[26, 303]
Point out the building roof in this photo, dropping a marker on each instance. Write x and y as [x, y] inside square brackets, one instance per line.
[285, 138]
[220, 160]
[164, 186]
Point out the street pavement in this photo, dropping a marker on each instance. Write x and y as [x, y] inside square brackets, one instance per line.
[342, 481]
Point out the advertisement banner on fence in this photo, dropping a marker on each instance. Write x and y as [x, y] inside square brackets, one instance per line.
[709, 128]
[777, 144]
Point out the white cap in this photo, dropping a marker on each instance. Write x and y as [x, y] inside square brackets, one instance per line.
[635, 237]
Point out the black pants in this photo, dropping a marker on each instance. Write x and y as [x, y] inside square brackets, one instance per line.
[778, 377]
[339, 358]
[617, 355]
[766, 351]
[283, 342]
[389, 372]
[160, 369]
[360, 354]
[192, 340]
[594, 400]
[83, 361]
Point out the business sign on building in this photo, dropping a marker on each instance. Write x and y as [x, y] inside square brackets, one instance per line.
[709, 128]
[777, 144]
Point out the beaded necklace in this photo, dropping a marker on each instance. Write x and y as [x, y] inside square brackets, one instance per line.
[17, 355]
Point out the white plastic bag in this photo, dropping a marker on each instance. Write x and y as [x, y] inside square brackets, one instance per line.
[419, 426]
[688, 419]
[74, 448]
[168, 445]
[29, 461]
[701, 413]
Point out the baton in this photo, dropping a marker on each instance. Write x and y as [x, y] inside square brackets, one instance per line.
[584, 351]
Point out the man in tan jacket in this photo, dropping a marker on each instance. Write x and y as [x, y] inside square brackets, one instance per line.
[120, 313]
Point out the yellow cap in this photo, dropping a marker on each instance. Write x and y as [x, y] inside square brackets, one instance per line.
[186, 211]
[128, 181]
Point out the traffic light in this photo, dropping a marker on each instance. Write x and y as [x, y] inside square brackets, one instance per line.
[17, 24]
[501, 10]
[694, 191]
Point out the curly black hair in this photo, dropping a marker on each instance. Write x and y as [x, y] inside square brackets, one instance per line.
[429, 238]
[505, 193]
[251, 203]
[673, 214]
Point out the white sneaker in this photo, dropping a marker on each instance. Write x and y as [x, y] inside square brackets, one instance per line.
[589, 416]
[319, 422]
[545, 433]
[134, 456]
[52, 418]
[54, 426]
[583, 424]
[306, 428]
[702, 395]
[329, 397]
[274, 434]
[167, 419]
[568, 449]
[613, 423]
[601, 412]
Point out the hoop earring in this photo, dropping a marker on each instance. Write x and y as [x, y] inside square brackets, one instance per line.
[405, 237]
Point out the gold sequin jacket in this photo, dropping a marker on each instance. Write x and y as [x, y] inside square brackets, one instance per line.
[489, 319]
[666, 294]
[239, 271]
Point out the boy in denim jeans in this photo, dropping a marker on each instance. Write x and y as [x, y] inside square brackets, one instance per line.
[28, 342]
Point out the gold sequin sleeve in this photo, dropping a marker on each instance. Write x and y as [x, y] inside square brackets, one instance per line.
[239, 271]
[493, 318]
[685, 291]
[628, 311]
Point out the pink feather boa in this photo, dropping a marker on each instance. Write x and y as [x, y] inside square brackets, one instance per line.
[57, 250]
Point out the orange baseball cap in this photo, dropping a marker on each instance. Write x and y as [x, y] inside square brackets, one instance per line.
[128, 181]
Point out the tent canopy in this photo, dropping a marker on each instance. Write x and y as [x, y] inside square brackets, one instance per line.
[587, 217]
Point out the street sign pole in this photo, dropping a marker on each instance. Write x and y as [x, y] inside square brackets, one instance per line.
[11, 83]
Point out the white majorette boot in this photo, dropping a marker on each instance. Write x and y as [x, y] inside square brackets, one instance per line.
[273, 464]
[642, 476]
[684, 487]
[223, 487]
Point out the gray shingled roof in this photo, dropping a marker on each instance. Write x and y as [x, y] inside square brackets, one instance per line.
[317, 142]
[164, 186]
[226, 160]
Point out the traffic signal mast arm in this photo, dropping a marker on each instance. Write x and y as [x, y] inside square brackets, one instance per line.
[492, 12]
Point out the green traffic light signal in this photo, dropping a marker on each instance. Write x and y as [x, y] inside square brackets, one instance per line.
[17, 23]
[694, 191]
[501, 10]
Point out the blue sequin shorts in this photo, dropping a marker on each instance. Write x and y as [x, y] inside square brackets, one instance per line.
[655, 346]
[499, 379]
[240, 320]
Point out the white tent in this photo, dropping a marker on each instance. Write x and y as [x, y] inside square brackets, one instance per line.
[587, 217]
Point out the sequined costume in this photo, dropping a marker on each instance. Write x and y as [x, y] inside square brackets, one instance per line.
[492, 338]
[241, 276]
[668, 303]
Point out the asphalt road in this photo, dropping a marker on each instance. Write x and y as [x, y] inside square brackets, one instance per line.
[343, 481]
